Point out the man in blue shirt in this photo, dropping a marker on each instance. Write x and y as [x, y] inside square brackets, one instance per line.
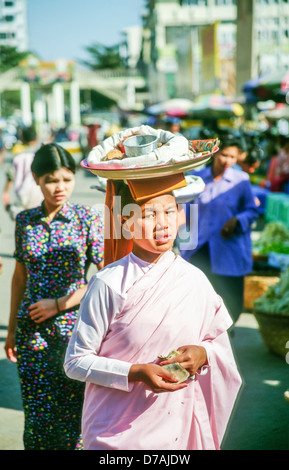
[226, 211]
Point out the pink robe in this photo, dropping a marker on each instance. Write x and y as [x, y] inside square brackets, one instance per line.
[171, 305]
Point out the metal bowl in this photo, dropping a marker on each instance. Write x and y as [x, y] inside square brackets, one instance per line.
[138, 145]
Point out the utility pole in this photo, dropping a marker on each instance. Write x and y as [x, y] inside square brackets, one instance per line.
[246, 56]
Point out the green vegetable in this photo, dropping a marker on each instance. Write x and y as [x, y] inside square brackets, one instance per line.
[275, 237]
[276, 298]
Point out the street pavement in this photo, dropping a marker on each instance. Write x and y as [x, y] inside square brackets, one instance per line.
[260, 420]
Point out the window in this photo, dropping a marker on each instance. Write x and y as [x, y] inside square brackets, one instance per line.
[8, 4]
[225, 2]
[195, 2]
[6, 36]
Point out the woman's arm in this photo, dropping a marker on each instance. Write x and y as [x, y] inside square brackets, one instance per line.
[17, 291]
[6, 193]
[100, 265]
[47, 308]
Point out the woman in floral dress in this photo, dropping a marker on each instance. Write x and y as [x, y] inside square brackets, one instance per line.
[55, 244]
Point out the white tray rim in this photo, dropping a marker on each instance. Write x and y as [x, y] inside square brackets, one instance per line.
[151, 171]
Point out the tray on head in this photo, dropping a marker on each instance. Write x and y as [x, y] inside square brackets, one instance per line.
[144, 172]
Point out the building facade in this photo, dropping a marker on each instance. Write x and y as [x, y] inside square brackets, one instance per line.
[272, 34]
[191, 46]
[13, 24]
[175, 36]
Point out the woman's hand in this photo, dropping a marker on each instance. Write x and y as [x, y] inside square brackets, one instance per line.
[229, 227]
[42, 310]
[10, 348]
[6, 198]
[155, 377]
[192, 358]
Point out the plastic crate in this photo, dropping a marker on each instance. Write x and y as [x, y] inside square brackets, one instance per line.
[274, 206]
[285, 212]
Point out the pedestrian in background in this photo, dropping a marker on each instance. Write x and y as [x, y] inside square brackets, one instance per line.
[55, 244]
[19, 176]
[226, 211]
[280, 176]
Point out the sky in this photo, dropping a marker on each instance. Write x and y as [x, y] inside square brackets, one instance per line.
[63, 28]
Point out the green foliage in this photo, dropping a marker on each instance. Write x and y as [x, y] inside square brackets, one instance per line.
[275, 237]
[10, 102]
[276, 298]
[104, 57]
[10, 57]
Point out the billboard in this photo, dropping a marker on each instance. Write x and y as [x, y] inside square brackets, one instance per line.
[36, 71]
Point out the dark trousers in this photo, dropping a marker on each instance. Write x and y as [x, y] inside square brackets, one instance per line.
[230, 288]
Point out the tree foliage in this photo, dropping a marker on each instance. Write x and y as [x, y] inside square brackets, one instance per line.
[104, 57]
[10, 57]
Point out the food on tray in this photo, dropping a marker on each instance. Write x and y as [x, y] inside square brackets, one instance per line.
[115, 154]
[118, 153]
[173, 151]
[173, 148]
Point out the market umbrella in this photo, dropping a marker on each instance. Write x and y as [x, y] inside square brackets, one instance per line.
[175, 107]
[215, 106]
[273, 86]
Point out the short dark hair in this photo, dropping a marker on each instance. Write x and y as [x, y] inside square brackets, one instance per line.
[231, 141]
[28, 134]
[51, 157]
[254, 155]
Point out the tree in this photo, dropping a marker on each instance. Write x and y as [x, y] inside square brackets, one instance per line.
[104, 57]
[10, 57]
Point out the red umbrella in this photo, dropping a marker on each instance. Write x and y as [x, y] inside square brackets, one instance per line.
[177, 112]
[177, 107]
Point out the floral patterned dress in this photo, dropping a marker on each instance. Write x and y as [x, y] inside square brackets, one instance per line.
[56, 255]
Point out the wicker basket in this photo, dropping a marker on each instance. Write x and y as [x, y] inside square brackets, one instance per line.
[255, 287]
[274, 329]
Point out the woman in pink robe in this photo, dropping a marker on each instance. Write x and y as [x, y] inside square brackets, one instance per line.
[140, 307]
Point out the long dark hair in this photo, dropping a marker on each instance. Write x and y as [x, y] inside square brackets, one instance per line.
[51, 157]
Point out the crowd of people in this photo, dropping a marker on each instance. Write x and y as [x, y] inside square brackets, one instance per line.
[87, 351]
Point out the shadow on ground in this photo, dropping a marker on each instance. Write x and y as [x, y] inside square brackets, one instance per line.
[261, 417]
[260, 420]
